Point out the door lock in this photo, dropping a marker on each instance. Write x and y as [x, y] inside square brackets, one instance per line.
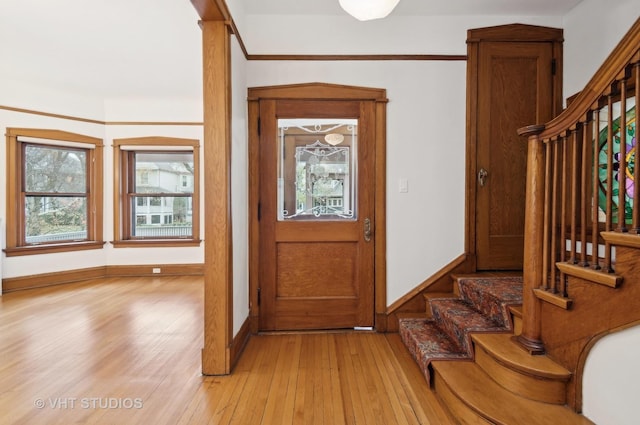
[367, 230]
[482, 176]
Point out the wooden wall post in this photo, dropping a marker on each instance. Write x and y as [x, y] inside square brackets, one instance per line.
[218, 248]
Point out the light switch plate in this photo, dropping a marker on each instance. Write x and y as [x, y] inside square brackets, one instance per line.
[403, 185]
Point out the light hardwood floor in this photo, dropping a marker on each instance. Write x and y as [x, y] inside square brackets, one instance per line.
[127, 351]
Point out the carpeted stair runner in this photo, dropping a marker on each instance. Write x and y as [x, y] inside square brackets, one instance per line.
[483, 306]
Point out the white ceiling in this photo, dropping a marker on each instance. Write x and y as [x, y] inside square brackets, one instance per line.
[418, 7]
[147, 48]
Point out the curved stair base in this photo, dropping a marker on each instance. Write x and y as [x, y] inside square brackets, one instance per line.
[474, 398]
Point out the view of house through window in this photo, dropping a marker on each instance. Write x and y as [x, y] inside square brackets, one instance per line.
[161, 194]
[157, 196]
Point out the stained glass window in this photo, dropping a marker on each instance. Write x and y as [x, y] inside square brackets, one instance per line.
[603, 174]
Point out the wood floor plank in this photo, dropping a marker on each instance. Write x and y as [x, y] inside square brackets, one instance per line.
[364, 391]
[389, 380]
[314, 401]
[299, 401]
[118, 340]
[250, 407]
[282, 396]
[336, 398]
[292, 375]
[352, 409]
[425, 404]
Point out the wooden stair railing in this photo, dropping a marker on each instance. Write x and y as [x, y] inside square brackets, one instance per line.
[580, 187]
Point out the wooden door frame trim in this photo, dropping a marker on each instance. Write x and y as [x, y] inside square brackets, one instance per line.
[320, 91]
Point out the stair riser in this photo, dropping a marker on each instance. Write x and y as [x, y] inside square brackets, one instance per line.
[486, 304]
[457, 408]
[517, 325]
[455, 322]
[534, 388]
[426, 342]
[411, 345]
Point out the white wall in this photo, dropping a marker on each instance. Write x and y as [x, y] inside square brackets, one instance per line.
[239, 186]
[591, 31]
[611, 381]
[292, 34]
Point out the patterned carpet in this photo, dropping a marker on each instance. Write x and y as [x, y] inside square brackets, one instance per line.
[483, 306]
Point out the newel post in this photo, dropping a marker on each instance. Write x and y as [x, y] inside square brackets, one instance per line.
[530, 338]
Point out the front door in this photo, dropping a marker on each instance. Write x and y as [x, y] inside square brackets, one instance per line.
[316, 214]
[514, 90]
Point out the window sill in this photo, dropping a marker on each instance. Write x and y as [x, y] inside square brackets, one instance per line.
[52, 248]
[155, 243]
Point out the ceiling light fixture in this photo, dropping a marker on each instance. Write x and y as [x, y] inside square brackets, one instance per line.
[334, 138]
[366, 10]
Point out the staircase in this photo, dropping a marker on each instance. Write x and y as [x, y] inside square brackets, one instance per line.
[463, 345]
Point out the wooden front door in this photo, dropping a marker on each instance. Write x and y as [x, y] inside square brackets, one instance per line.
[515, 88]
[316, 214]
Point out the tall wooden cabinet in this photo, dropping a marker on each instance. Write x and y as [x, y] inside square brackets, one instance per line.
[514, 79]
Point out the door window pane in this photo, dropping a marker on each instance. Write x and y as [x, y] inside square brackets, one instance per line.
[317, 169]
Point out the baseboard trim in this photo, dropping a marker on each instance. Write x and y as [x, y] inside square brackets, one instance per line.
[148, 270]
[439, 281]
[12, 284]
[435, 278]
[239, 342]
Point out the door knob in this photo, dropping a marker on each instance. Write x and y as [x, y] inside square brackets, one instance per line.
[482, 176]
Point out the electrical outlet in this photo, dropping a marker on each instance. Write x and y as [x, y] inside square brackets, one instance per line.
[157, 270]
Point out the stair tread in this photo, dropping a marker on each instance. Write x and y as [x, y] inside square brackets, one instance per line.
[469, 383]
[505, 351]
[505, 288]
[483, 275]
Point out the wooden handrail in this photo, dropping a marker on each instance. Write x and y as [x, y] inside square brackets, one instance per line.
[574, 163]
